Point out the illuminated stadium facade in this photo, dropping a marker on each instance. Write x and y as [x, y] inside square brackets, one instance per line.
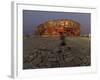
[55, 27]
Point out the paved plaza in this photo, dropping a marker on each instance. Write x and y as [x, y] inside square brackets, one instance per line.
[46, 52]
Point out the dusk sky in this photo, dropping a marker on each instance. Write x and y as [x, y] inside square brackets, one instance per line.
[31, 19]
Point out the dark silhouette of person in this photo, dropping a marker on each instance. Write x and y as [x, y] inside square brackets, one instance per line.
[62, 38]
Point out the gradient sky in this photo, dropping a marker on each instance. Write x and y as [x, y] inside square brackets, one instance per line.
[31, 19]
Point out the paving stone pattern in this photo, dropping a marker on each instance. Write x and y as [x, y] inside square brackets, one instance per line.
[44, 57]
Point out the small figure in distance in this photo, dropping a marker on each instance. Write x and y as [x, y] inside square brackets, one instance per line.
[62, 38]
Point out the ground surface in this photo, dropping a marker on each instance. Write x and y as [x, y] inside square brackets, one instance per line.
[43, 52]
